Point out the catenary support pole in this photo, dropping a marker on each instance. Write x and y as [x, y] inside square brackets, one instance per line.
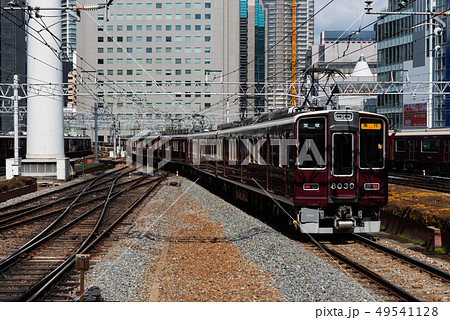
[96, 131]
[16, 119]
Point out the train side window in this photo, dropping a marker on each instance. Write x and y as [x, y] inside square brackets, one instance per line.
[233, 151]
[371, 144]
[274, 150]
[400, 145]
[219, 152]
[430, 145]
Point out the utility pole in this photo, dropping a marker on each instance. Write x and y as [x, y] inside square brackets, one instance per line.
[228, 111]
[14, 165]
[16, 121]
[96, 131]
[430, 70]
[114, 138]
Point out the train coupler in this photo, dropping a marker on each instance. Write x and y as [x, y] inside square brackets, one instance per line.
[344, 224]
[344, 219]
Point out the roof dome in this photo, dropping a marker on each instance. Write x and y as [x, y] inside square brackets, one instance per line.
[362, 68]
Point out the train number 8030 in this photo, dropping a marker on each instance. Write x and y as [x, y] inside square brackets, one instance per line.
[344, 186]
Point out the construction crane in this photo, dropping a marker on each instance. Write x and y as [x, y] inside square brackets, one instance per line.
[294, 50]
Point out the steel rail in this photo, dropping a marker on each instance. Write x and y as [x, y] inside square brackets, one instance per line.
[49, 193]
[422, 265]
[68, 264]
[31, 209]
[16, 255]
[4, 223]
[102, 214]
[396, 290]
[428, 183]
[6, 214]
[42, 282]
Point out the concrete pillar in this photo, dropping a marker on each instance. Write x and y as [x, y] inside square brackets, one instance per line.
[45, 119]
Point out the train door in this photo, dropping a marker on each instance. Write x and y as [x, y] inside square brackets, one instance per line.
[226, 152]
[291, 154]
[413, 149]
[447, 150]
[276, 169]
[343, 162]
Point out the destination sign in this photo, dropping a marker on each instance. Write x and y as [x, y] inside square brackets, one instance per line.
[370, 126]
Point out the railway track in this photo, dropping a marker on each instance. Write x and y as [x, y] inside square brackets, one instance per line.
[391, 274]
[434, 183]
[26, 215]
[21, 225]
[29, 272]
[53, 194]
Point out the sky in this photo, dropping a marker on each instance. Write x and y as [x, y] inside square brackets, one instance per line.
[343, 15]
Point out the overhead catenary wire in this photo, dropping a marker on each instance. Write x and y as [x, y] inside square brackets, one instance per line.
[249, 62]
[134, 100]
[54, 50]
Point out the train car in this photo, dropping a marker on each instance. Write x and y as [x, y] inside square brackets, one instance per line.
[326, 170]
[418, 150]
[73, 147]
[77, 146]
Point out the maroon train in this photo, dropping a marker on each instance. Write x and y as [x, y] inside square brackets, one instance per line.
[425, 149]
[73, 147]
[325, 170]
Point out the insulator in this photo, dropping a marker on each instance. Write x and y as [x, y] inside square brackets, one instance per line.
[91, 7]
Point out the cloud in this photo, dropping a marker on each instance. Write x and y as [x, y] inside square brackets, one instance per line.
[343, 15]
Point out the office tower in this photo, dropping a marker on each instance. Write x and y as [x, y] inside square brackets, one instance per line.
[69, 31]
[12, 60]
[411, 49]
[279, 43]
[164, 51]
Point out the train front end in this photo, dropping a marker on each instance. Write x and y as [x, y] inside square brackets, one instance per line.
[341, 173]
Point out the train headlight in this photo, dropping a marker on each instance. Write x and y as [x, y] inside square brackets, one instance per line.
[311, 186]
[371, 186]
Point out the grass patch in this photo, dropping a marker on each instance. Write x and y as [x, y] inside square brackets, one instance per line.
[439, 251]
[418, 242]
[81, 167]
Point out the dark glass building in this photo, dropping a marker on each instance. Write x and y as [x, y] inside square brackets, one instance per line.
[12, 59]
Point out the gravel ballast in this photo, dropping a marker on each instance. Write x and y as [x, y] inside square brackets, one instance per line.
[205, 234]
[298, 274]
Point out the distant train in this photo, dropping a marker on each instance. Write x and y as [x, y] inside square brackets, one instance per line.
[327, 170]
[73, 147]
[417, 150]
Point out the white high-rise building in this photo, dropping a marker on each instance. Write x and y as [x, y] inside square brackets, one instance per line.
[159, 47]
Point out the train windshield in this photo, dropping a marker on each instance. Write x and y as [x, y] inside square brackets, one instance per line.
[311, 143]
[371, 144]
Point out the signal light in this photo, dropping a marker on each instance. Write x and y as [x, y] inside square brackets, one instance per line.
[371, 186]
